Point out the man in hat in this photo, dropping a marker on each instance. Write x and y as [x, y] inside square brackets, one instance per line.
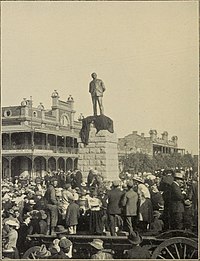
[43, 252]
[129, 202]
[165, 187]
[97, 88]
[12, 236]
[65, 247]
[22, 242]
[114, 205]
[51, 205]
[177, 202]
[136, 252]
[98, 251]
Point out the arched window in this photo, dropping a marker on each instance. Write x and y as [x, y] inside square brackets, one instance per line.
[64, 120]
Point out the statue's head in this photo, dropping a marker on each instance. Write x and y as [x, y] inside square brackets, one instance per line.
[94, 75]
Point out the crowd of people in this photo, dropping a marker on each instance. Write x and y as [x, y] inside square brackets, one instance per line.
[62, 203]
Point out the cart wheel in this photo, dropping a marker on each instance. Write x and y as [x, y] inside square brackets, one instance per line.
[176, 248]
[31, 253]
[176, 233]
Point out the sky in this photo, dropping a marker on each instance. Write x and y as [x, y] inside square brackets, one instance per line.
[146, 53]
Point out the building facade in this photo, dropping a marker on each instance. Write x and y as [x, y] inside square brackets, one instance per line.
[150, 145]
[35, 140]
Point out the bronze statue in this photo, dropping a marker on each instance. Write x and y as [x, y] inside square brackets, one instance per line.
[97, 88]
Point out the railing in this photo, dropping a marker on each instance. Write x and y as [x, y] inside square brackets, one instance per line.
[58, 149]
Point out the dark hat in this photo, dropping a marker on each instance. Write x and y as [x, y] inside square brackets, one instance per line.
[65, 243]
[135, 238]
[156, 213]
[60, 230]
[97, 243]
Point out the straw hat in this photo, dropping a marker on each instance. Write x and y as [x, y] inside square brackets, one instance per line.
[178, 175]
[12, 223]
[138, 179]
[97, 243]
[32, 202]
[43, 252]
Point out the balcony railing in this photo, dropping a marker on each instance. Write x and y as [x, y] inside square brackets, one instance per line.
[55, 149]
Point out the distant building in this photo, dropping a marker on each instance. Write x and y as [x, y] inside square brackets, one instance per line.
[150, 145]
[35, 140]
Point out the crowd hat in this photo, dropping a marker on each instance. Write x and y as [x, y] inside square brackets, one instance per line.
[71, 197]
[12, 223]
[60, 230]
[32, 202]
[67, 186]
[138, 179]
[43, 252]
[178, 175]
[43, 214]
[135, 238]
[116, 183]
[188, 203]
[65, 243]
[97, 243]
[156, 213]
[130, 184]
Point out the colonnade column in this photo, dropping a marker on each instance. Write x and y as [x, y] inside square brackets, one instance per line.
[46, 163]
[10, 166]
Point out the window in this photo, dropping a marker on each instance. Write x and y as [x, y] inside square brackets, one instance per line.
[64, 120]
[7, 113]
[34, 114]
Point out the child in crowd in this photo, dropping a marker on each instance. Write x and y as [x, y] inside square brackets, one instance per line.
[157, 225]
[72, 215]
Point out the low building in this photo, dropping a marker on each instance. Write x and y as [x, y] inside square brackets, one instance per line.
[150, 145]
[36, 140]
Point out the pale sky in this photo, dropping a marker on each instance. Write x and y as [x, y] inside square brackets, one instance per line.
[145, 52]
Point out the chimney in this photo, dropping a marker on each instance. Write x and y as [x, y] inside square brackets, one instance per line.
[142, 134]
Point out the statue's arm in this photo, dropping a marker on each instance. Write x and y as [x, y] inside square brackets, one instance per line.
[90, 88]
[103, 86]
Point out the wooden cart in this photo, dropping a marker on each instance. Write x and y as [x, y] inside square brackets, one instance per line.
[174, 244]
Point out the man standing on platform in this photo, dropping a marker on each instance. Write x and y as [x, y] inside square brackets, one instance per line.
[177, 205]
[51, 206]
[96, 88]
[114, 208]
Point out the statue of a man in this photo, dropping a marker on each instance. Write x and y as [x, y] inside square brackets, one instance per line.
[96, 88]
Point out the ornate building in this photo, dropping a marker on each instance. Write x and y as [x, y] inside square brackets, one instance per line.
[35, 140]
[151, 145]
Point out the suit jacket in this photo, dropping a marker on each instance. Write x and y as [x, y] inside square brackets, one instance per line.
[129, 201]
[114, 201]
[50, 196]
[177, 197]
[72, 214]
[137, 252]
[96, 88]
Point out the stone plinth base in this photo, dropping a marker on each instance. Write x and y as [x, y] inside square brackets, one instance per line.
[101, 154]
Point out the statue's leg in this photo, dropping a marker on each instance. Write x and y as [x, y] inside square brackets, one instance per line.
[94, 101]
[100, 102]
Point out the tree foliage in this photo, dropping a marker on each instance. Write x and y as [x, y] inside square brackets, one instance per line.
[139, 162]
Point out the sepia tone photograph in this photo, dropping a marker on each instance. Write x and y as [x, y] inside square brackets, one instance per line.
[99, 129]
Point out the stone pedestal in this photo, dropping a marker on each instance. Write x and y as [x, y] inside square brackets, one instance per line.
[101, 154]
